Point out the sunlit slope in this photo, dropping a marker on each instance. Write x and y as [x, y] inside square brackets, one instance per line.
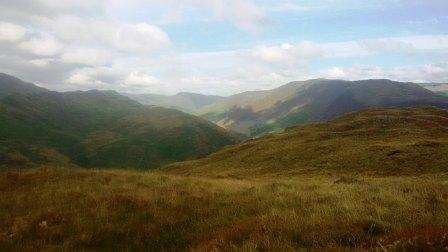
[314, 101]
[385, 141]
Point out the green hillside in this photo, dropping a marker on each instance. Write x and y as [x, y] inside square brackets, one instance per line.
[101, 129]
[375, 141]
[313, 101]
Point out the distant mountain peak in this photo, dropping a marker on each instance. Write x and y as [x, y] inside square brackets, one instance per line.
[12, 85]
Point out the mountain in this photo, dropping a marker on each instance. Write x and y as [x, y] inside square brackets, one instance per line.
[100, 129]
[11, 85]
[441, 88]
[383, 141]
[255, 113]
[187, 102]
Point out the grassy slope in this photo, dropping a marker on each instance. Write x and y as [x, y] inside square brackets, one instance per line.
[375, 179]
[101, 129]
[67, 209]
[375, 141]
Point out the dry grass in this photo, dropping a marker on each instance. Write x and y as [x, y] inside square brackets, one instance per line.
[56, 209]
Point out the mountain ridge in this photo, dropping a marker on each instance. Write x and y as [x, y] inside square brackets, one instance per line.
[318, 100]
[101, 129]
[11, 85]
[254, 113]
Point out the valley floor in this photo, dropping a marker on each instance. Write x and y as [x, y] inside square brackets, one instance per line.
[55, 208]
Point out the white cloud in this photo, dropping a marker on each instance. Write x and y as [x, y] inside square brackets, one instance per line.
[113, 44]
[11, 32]
[141, 38]
[286, 53]
[41, 62]
[81, 79]
[306, 50]
[139, 79]
[408, 44]
[134, 38]
[96, 78]
[245, 14]
[86, 56]
[42, 45]
[80, 30]
[436, 72]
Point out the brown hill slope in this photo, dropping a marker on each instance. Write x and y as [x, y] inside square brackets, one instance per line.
[375, 141]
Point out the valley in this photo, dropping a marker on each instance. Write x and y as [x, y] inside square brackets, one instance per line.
[255, 113]
[370, 180]
[103, 172]
[98, 129]
[224, 125]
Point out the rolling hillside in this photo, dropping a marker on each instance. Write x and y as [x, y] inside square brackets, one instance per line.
[100, 129]
[375, 141]
[313, 101]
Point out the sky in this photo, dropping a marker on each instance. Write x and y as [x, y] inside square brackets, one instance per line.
[220, 47]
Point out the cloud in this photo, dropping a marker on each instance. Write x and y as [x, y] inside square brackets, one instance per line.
[70, 44]
[21, 10]
[134, 38]
[138, 80]
[44, 62]
[70, 28]
[141, 38]
[286, 53]
[435, 72]
[11, 32]
[96, 78]
[245, 14]
[86, 56]
[135, 46]
[42, 45]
